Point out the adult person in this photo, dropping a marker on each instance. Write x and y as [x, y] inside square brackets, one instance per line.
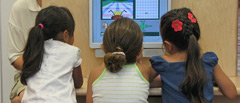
[22, 18]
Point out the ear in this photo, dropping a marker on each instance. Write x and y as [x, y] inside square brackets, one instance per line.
[168, 46]
[140, 53]
[102, 46]
[140, 56]
[66, 36]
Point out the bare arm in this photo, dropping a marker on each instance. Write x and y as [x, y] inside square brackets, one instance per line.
[95, 73]
[77, 77]
[153, 79]
[152, 74]
[225, 84]
[16, 39]
[89, 89]
[156, 83]
[18, 63]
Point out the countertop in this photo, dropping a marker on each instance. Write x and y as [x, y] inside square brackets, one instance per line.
[158, 91]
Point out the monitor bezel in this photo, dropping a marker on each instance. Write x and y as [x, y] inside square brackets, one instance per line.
[148, 45]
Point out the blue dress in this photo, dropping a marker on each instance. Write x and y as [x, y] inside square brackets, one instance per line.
[172, 75]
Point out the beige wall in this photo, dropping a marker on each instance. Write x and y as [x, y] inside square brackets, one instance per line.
[217, 20]
[218, 23]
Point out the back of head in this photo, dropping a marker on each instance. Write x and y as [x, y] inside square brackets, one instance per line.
[122, 43]
[49, 23]
[180, 27]
[179, 38]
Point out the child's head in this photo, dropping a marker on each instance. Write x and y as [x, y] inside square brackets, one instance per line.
[122, 43]
[54, 22]
[180, 33]
[178, 27]
[51, 23]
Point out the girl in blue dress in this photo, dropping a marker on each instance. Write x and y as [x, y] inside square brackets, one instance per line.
[187, 73]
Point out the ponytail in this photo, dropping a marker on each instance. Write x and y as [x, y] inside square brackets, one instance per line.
[49, 22]
[122, 41]
[33, 53]
[195, 78]
[115, 61]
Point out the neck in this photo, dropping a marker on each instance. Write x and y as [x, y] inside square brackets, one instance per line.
[176, 57]
[39, 2]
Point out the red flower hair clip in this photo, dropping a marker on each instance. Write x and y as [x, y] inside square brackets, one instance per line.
[191, 17]
[177, 25]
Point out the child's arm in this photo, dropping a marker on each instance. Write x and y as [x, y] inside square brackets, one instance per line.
[94, 74]
[152, 74]
[156, 83]
[89, 89]
[153, 79]
[77, 77]
[225, 84]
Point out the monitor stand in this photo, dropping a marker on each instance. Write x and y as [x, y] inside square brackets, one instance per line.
[146, 52]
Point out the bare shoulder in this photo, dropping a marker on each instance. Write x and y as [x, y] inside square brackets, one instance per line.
[95, 73]
[144, 69]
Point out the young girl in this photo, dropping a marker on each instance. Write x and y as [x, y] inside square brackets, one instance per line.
[51, 66]
[186, 73]
[120, 79]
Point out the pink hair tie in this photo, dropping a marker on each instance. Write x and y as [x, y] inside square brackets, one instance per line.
[41, 25]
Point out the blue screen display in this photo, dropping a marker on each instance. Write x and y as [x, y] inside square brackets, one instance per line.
[146, 13]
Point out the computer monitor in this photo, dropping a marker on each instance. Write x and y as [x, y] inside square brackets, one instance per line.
[147, 13]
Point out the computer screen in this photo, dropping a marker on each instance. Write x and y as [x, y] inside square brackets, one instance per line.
[146, 13]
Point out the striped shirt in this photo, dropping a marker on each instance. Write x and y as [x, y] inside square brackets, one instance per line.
[126, 86]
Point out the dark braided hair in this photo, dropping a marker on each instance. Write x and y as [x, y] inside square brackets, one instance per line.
[186, 40]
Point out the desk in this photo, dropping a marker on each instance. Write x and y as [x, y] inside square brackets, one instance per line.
[218, 97]
[158, 91]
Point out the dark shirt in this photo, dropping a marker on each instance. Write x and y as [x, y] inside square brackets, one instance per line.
[172, 75]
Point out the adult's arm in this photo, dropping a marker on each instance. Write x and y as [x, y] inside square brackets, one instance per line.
[16, 41]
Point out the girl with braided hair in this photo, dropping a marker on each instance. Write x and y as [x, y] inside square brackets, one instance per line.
[121, 78]
[186, 73]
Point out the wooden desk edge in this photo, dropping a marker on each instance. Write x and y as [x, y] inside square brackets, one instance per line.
[158, 91]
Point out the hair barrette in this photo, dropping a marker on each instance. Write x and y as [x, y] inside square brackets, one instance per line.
[191, 17]
[177, 25]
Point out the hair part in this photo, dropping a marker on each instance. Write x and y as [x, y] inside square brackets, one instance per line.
[122, 35]
[55, 20]
[186, 40]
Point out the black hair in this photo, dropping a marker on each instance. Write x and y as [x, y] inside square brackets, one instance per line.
[186, 40]
[49, 23]
[122, 35]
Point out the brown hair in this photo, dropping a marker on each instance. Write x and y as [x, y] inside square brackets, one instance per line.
[122, 35]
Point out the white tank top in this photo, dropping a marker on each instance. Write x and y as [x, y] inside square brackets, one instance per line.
[126, 86]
